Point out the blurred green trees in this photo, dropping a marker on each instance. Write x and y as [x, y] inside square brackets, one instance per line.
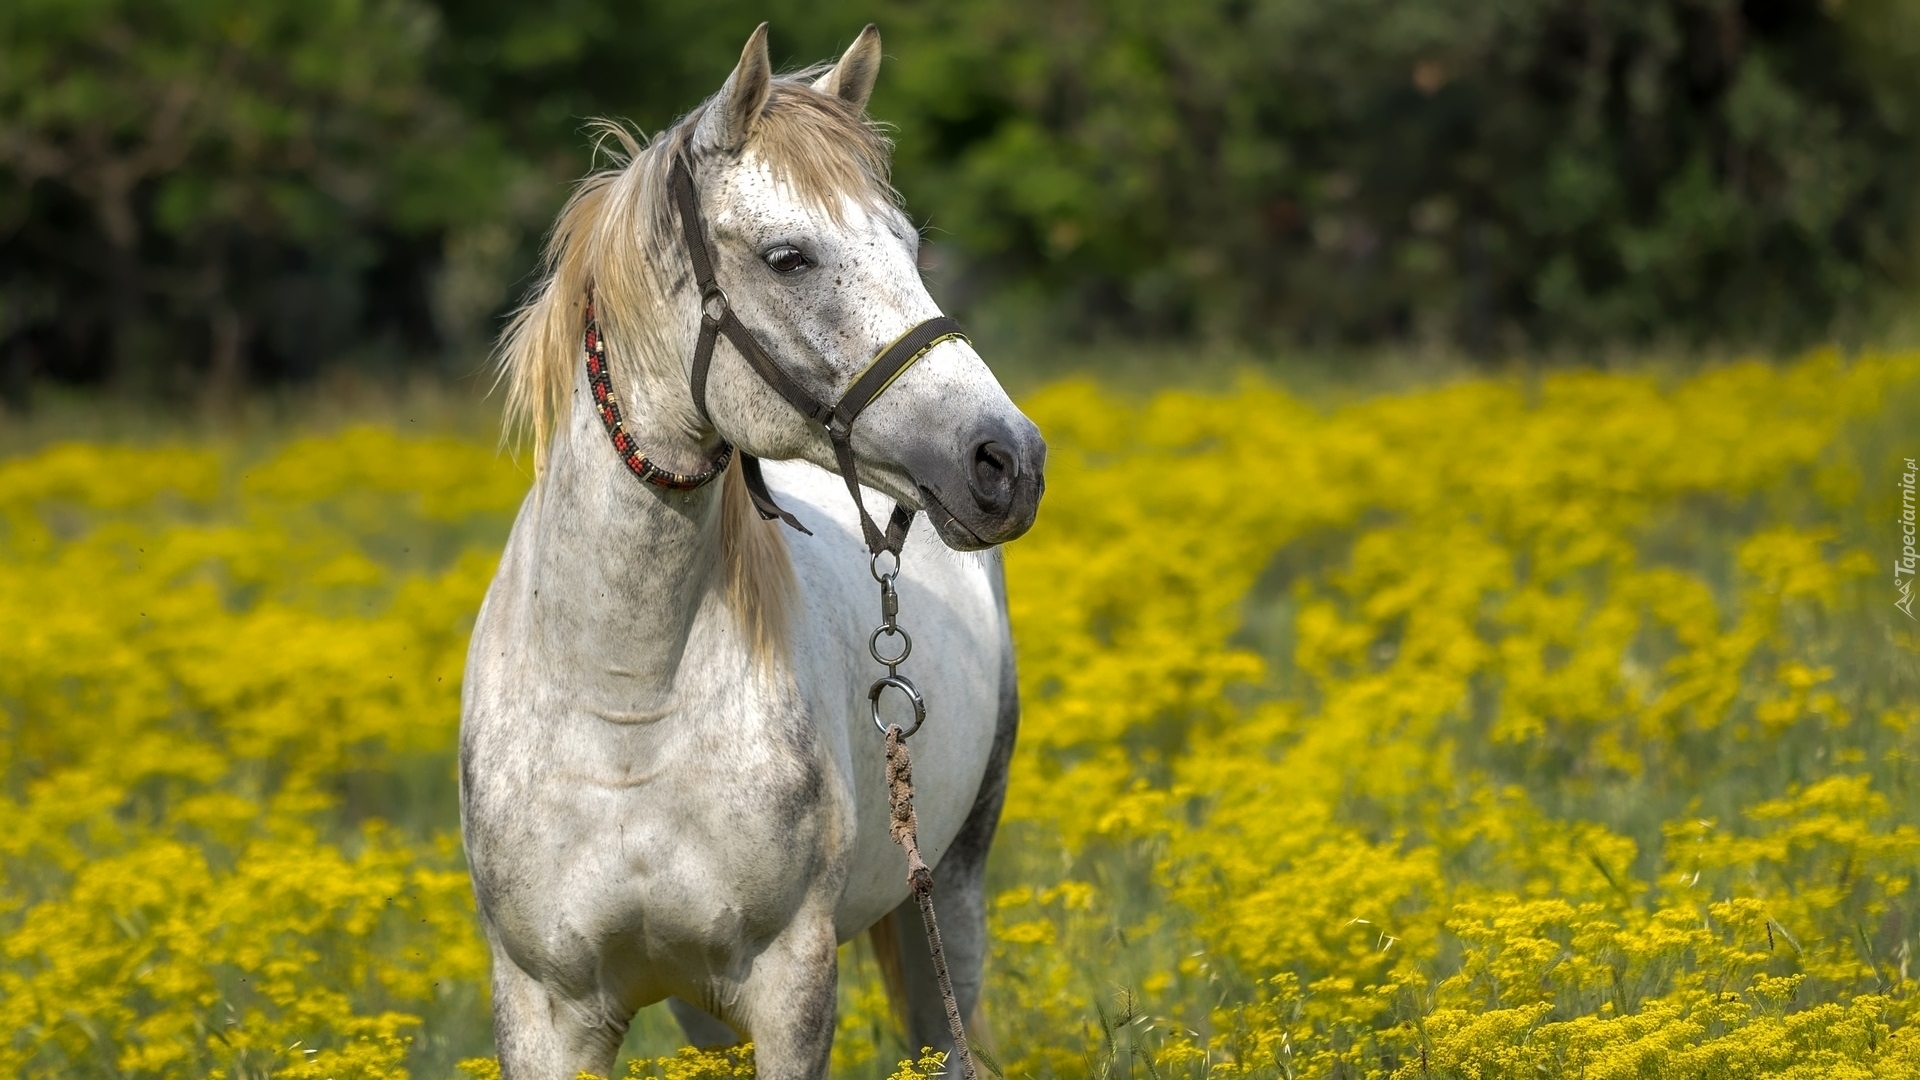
[1500, 175]
[209, 188]
[188, 185]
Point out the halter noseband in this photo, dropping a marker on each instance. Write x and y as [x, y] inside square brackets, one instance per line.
[717, 318]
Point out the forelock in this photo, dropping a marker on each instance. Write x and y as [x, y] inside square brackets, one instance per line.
[825, 149]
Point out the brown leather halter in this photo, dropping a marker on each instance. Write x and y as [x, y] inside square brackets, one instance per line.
[717, 318]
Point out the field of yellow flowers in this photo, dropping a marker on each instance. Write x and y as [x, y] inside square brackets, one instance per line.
[1558, 726]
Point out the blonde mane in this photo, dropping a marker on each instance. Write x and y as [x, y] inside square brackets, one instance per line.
[619, 234]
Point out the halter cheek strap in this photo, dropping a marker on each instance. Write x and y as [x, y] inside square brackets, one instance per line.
[717, 318]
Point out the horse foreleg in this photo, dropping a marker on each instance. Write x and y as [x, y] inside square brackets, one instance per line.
[542, 1035]
[788, 1000]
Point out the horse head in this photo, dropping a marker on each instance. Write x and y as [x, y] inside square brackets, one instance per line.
[811, 251]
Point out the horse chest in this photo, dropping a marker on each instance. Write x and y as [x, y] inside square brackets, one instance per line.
[749, 804]
[662, 840]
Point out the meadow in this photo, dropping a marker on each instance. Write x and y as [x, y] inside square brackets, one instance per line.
[1548, 725]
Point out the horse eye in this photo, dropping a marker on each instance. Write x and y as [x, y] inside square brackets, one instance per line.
[786, 259]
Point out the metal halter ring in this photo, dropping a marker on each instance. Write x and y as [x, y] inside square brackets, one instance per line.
[906, 646]
[906, 687]
[708, 308]
[873, 565]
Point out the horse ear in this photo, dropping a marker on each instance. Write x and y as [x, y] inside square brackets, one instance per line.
[733, 113]
[851, 80]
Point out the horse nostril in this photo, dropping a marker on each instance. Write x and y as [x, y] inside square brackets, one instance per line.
[994, 470]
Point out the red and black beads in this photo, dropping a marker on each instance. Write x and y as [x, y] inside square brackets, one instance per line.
[608, 405]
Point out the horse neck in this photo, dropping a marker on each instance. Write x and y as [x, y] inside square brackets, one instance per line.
[620, 570]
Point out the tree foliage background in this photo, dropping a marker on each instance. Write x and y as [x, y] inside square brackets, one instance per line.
[199, 194]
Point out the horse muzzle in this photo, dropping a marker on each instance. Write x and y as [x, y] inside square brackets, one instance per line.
[992, 494]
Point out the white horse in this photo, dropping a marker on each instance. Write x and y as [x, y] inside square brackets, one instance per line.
[671, 785]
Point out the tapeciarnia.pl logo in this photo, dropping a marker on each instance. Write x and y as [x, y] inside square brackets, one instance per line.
[1903, 567]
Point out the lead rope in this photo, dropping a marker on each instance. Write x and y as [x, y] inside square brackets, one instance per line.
[903, 826]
